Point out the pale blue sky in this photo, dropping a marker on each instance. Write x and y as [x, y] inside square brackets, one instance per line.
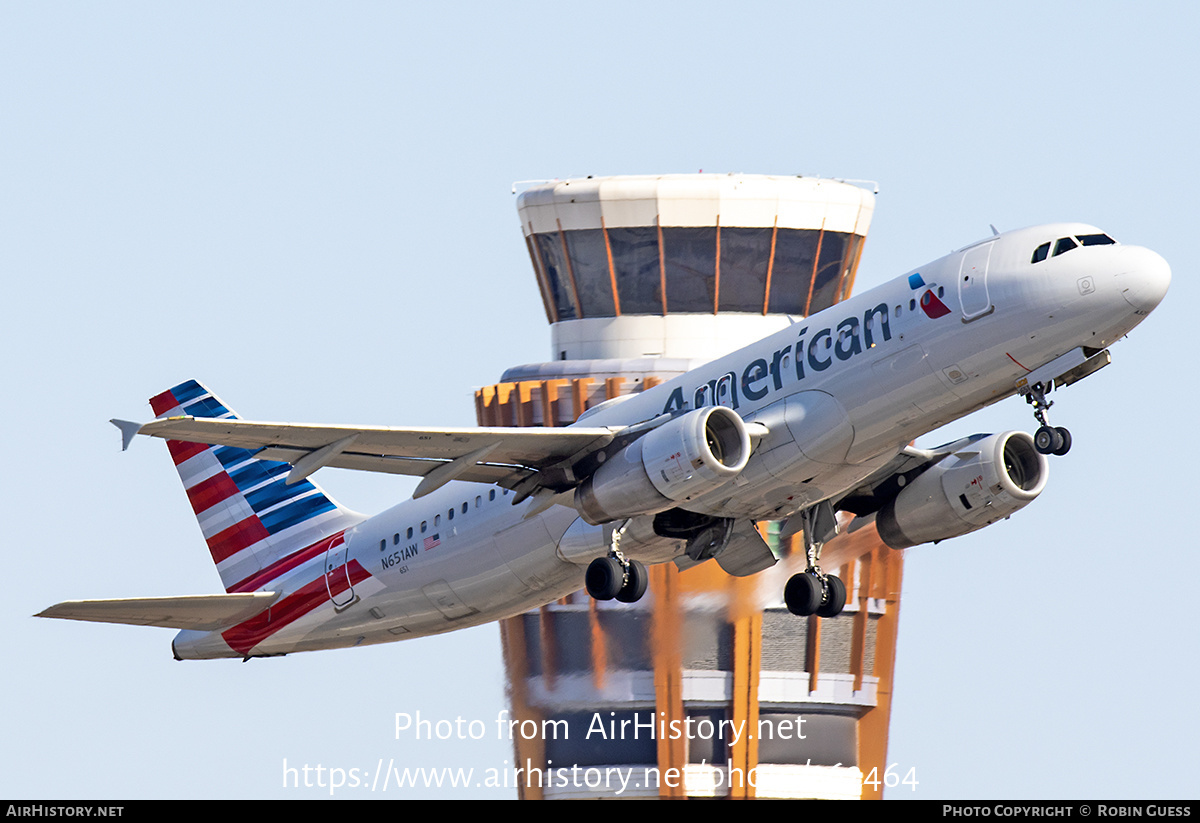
[307, 207]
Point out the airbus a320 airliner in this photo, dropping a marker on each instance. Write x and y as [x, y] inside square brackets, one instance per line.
[811, 421]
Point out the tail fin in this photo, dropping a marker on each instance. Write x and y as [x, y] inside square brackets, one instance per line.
[251, 518]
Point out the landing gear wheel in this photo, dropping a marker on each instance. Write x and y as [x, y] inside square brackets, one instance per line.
[835, 597]
[604, 578]
[635, 584]
[803, 594]
[1066, 441]
[1048, 440]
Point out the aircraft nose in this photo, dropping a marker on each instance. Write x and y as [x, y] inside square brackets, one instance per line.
[1143, 279]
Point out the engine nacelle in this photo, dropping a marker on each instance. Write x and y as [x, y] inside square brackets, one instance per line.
[979, 484]
[684, 457]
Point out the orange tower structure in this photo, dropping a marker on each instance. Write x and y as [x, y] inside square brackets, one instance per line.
[707, 687]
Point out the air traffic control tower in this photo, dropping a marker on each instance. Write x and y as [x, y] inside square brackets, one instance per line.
[643, 278]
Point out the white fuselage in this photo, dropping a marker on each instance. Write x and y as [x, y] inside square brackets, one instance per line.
[867, 375]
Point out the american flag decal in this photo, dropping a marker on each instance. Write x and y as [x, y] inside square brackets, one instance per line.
[432, 542]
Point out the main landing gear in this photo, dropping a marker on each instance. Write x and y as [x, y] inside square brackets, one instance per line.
[1047, 439]
[616, 576]
[812, 591]
[609, 578]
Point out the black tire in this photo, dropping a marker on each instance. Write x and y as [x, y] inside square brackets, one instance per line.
[633, 590]
[1065, 446]
[803, 594]
[1046, 439]
[835, 597]
[603, 578]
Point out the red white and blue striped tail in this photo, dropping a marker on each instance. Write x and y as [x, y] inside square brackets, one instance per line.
[252, 519]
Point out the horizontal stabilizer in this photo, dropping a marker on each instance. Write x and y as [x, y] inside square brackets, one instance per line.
[202, 612]
[128, 430]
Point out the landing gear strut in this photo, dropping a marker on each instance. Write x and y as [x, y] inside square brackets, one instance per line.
[1047, 439]
[812, 591]
[615, 576]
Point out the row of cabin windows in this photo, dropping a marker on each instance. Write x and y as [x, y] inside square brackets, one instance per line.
[437, 520]
[912, 304]
[1065, 244]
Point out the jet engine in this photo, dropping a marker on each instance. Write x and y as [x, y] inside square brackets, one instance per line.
[684, 457]
[974, 487]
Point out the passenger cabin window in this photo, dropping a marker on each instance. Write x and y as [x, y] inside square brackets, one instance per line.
[725, 391]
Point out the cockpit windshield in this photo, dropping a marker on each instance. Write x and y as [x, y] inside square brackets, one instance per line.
[1065, 244]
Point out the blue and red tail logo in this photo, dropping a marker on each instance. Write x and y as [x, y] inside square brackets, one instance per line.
[931, 304]
[251, 517]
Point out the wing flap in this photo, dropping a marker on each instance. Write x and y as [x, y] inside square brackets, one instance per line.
[746, 553]
[202, 612]
[507, 476]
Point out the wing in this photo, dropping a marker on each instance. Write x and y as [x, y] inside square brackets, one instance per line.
[522, 459]
[885, 483]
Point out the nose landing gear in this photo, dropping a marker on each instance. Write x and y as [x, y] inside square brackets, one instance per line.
[1047, 439]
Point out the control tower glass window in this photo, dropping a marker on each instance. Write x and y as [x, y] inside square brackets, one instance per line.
[562, 290]
[589, 272]
[635, 261]
[690, 261]
[795, 252]
[745, 257]
[828, 278]
[609, 272]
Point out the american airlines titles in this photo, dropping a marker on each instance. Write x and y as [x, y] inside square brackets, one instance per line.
[759, 378]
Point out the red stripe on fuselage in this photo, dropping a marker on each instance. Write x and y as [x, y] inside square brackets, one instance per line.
[246, 635]
[1010, 357]
[259, 580]
[208, 493]
[225, 544]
